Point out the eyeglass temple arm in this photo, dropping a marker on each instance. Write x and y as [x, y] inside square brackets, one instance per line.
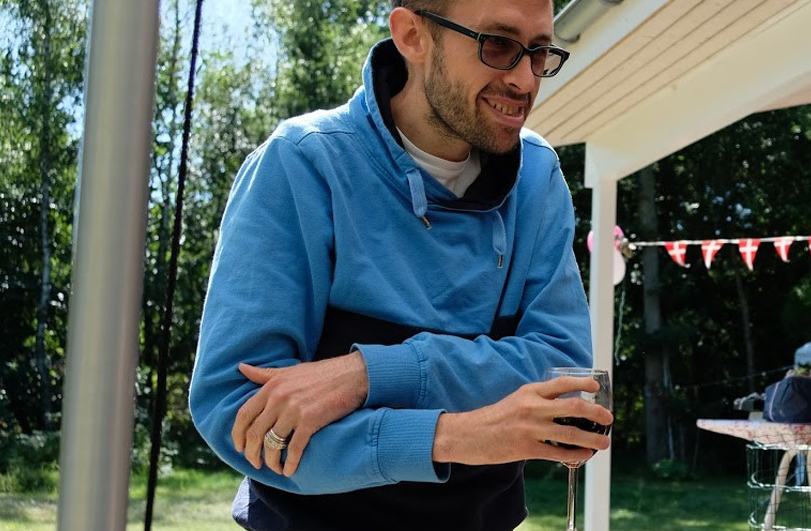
[449, 24]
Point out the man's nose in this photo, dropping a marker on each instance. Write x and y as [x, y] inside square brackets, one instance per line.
[521, 77]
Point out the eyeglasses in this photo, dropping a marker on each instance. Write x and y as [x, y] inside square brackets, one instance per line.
[503, 53]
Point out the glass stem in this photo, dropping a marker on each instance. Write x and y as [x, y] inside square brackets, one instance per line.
[570, 506]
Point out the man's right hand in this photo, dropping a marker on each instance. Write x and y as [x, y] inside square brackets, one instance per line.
[296, 402]
[518, 427]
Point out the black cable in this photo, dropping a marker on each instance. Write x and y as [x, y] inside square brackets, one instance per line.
[159, 409]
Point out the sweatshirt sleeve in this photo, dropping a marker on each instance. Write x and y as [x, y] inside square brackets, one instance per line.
[265, 306]
[435, 370]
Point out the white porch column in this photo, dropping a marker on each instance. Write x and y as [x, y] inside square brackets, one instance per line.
[601, 303]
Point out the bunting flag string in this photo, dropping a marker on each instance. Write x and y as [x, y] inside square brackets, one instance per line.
[782, 244]
[747, 247]
[709, 248]
[678, 252]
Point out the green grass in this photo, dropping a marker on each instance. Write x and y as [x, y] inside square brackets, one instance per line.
[640, 504]
[187, 500]
[191, 500]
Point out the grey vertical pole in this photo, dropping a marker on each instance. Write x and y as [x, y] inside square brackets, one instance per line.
[102, 350]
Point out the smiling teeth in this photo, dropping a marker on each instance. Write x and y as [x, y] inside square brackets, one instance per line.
[505, 109]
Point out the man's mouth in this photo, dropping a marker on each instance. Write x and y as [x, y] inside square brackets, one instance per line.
[509, 110]
[509, 107]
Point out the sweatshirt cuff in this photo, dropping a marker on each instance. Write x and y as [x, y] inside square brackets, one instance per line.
[405, 443]
[395, 375]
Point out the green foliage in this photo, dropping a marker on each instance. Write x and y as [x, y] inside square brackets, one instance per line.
[238, 102]
[322, 46]
[796, 312]
[559, 4]
[28, 462]
[141, 449]
[41, 64]
[730, 184]
[670, 469]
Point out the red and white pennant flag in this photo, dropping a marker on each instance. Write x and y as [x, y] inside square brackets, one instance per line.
[677, 251]
[781, 245]
[709, 248]
[748, 249]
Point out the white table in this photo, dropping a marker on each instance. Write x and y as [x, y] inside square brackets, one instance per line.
[791, 438]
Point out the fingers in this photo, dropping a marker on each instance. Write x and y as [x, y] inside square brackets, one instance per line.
[570, 421]
[295, 401]
[245, 417]
[301, 437]
[553, 407]
[256, 418]
[575, 436]
[582, 409]
[273, 457]
[257, 375]
[566, 384]
[255, 437]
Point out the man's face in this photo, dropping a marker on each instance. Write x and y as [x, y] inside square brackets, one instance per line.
[470, 101]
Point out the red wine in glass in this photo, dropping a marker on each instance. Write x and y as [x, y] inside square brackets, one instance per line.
[602, 397]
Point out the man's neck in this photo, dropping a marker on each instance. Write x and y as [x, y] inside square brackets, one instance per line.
[410, 111]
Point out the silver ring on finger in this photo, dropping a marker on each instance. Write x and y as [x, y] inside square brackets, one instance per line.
[274, 442]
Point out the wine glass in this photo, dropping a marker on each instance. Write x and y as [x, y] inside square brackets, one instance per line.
[603, 398]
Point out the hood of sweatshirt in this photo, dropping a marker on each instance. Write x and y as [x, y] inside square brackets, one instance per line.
[384, 75]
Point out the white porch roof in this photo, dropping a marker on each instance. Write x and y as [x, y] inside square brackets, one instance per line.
[652, 76]
[644, 80]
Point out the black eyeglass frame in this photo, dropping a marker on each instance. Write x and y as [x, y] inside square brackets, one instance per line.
[481, 37]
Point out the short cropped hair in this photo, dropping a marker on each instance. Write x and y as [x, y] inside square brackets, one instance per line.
[434, 6]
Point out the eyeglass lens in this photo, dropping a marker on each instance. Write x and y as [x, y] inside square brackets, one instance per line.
[503, 53]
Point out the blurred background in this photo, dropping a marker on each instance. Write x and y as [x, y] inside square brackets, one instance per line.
[726, 332]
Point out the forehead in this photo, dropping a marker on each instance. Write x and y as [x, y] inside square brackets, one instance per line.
[526, 20]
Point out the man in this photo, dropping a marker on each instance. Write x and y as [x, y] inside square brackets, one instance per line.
[391, 280]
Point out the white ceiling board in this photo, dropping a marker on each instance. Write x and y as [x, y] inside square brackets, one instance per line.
[663, 44]
[722, 90]
[738, 21]
[595, 42]
[613, 69]
[799, 97]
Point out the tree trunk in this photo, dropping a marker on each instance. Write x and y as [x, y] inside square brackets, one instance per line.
[40, 354]
[746, 324]
[656, 358]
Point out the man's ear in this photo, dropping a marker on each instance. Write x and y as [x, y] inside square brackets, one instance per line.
[412, 38]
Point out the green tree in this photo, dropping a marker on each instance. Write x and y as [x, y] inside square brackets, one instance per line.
[231, 119]
[734, 183]
[166, 128]
[42, 44]
[321, 47]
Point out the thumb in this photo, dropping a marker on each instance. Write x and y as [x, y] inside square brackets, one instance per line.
[256, 374]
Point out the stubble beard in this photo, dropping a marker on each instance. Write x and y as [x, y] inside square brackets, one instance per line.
[450, 116]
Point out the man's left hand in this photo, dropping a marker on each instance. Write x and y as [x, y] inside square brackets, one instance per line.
[297, 401]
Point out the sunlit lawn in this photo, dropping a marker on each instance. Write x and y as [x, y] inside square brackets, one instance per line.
[648, 505]
[187, 500]
[199, 501]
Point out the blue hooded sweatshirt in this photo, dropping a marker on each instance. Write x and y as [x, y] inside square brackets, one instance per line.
[334, 239]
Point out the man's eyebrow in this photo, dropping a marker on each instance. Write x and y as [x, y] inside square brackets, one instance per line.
[512, 31]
